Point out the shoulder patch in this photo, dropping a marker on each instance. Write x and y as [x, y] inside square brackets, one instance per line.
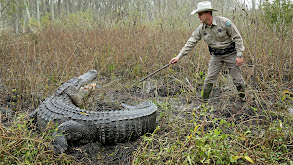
[228, 23]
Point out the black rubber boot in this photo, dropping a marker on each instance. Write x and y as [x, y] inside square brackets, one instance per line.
[206, 92]
[241, 90]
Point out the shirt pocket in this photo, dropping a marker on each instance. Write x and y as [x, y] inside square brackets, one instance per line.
[222, 36]
[208, 39]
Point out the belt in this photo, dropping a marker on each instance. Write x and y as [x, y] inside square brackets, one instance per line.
[228, 50]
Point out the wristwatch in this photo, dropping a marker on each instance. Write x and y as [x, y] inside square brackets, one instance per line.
[239, 54]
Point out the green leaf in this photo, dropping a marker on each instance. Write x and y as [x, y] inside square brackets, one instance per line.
[248, 159]
[195, 128]
[149, 139]
[283, 98]
[234, 158]
[247, 133]
[217, 132]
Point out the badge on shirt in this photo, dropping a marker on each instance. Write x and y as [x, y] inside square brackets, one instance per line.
[228, 23]
[220, 30]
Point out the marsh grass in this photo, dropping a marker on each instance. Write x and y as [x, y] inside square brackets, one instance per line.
[190, 143]
[34, 65]
[255, 133]
[21, 144]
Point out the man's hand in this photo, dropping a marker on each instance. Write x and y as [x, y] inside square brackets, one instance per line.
[239, 61]
[174, 60]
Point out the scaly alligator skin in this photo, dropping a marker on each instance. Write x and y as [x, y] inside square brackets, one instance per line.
[77, 125]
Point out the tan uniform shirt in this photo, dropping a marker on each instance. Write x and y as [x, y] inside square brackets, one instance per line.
[219, 35]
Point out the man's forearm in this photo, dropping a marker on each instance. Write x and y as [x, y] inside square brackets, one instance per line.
[187, 48]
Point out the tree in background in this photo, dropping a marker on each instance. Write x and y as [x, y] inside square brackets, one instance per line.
[10, 13]
[278, 13]
[27, 15]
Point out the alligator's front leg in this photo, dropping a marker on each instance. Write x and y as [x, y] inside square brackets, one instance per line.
[67, 132]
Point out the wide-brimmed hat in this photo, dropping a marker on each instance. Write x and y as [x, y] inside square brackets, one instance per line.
[203, 6]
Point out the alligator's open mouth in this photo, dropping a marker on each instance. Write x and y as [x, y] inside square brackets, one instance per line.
[90, 100]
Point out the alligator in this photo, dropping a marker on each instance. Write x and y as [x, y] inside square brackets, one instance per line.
[78, 126]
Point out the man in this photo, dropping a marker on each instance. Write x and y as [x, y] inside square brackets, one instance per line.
[225, 45]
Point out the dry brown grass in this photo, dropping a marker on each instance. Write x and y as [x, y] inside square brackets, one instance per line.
[35, 64]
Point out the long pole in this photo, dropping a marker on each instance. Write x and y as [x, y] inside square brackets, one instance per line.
[155, 72]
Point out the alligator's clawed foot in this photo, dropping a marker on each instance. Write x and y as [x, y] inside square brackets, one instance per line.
[59, 143]
[69, 131]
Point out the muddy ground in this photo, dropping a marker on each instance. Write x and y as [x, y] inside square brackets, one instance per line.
[181, 97]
